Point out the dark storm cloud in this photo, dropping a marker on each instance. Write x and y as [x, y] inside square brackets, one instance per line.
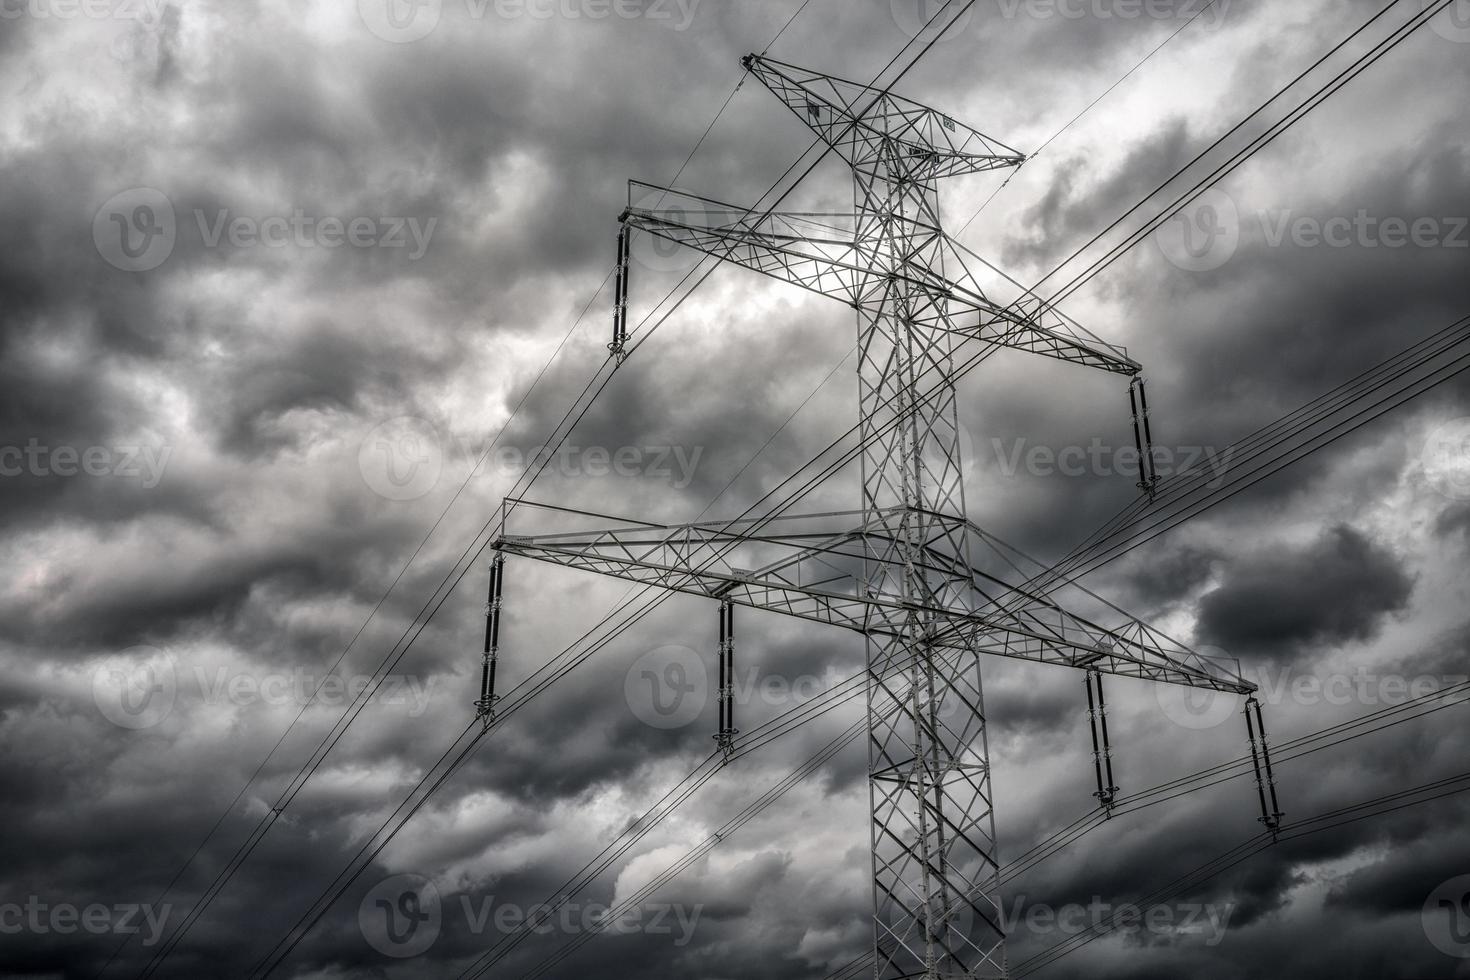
[1338, 589]
[264, 547]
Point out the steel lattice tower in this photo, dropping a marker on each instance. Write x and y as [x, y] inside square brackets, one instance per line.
[903, 570]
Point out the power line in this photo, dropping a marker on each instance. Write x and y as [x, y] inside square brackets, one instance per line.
[676, 306]
[1088, 108]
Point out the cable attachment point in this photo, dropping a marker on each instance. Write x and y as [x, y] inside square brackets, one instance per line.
[1143, 437]
[485, 706]
[1102, 749]
[618, 347]
[725, 737]
[1255, 726]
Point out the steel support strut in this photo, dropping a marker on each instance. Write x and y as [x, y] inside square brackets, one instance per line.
[485, 706]
[1255, 726]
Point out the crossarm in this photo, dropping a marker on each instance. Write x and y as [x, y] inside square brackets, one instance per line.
[819, 577]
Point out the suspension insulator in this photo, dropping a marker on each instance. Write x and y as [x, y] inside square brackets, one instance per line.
[1102, 749]
[618, 347]
[1143, 438]
[1255, 725]
[485, 706]
[725, 737]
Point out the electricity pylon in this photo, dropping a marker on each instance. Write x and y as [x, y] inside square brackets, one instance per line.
[908, 570]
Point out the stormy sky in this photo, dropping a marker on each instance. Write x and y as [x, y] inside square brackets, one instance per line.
[290, 296]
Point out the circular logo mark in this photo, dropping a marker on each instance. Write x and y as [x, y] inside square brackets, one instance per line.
[1446, 918]
[401, 916]
[1198, 708]
[1452, 23]
[679, 208]
[401, 459]
[913, 17]
[136, 230]
[667, 688]
[136, 689]
[1203, 236]
[400, 21]
[1446, 459]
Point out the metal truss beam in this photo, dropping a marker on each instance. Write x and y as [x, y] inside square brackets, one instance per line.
[817, 575]
[822, 253]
